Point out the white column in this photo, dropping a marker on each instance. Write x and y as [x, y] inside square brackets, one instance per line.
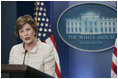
[67, 26]
[70, 24]
[107, 26]
[103, 26]
[111, 26]
[78, 27]
[73, 27]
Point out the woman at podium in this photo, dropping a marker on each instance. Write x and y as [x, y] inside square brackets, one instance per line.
[31, 51]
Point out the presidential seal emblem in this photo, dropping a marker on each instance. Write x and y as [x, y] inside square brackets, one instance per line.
[90, 27]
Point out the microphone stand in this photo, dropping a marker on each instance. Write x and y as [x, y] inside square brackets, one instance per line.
[24, 57]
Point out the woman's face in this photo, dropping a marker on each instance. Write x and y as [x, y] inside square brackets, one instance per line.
[27, 34]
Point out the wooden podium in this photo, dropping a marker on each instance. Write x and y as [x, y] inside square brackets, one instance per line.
[21, 71]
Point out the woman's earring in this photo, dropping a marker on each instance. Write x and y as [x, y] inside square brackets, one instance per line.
[35, 35]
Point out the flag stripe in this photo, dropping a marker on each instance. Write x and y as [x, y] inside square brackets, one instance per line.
[57, 71]
[53, 40]
[48, 41]
[115, 51]
[114, 67]
[57, 67]
[114, 62]
[114, 59]
[113, 75]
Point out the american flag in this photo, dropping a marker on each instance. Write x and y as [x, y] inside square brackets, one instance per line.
[114, 62]
[45, 34]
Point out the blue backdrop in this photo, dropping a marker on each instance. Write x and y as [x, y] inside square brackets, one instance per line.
[74, 63]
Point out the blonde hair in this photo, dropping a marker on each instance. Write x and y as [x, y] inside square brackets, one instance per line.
[22, 20]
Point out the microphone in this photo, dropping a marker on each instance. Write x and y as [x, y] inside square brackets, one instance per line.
[24, 57]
